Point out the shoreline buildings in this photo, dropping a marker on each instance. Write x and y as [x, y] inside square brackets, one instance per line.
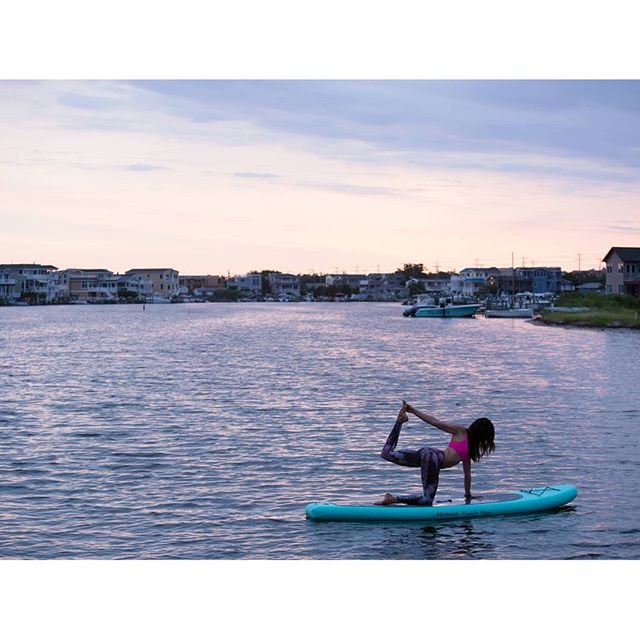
[46, 284]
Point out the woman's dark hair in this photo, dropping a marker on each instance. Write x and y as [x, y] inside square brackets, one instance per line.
[480, 436]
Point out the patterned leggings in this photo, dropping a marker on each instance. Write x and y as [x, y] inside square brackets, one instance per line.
[428, 459]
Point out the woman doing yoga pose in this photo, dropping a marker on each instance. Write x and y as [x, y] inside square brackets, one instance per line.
[467, 444]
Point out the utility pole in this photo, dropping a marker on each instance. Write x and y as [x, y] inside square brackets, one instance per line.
[579, 262]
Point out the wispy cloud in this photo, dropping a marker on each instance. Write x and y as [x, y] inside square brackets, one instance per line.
[255, 175]
[142, 168]
[352, 189]
[624, 228]
[88, 102]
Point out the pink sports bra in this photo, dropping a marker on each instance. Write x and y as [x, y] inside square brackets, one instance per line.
[461, 448]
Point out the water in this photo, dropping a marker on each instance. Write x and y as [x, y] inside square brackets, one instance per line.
[201, 431]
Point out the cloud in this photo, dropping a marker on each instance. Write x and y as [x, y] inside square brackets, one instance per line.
[83, 101]
[624, 228]
[142, 168]
[255, 175]
[352, 189]
[598, 120]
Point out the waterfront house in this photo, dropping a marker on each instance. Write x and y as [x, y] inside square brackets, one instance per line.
[249, 284]
[472, 282]
[189, 284]
[623, 271]
[87, 285]
[33, 282]
[352, 280]
[434, 285]
[284, 284]
[7, 287]
[539, 279]
[165, 282]
[383, 286]
[134, 285]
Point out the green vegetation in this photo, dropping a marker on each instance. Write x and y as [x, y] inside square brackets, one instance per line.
[224, 295]
[603, 311]
[598, 301]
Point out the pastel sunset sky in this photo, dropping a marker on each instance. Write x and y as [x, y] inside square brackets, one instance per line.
[328, 174]
[300, 176]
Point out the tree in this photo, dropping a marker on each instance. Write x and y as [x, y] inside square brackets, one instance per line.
[412, 270]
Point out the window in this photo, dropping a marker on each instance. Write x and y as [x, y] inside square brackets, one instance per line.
[609, 288]
[620, 288]
[620, 268]
[609, 269]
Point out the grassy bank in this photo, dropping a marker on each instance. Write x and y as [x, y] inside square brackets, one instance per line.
[603, 311]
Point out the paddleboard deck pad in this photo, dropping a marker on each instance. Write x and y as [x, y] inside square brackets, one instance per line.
[498, 504]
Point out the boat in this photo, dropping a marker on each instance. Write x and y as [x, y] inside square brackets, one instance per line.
[512, 311]
[446, 310]
[509, 313]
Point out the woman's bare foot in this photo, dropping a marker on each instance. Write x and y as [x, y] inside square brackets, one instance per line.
[387, 499]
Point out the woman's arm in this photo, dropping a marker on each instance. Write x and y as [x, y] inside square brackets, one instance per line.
[466, 467]
[443, 426]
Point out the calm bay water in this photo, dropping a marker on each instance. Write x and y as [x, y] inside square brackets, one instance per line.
[201, 431]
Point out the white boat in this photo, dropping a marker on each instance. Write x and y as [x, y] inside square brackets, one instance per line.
[509, 313]
[441, 311]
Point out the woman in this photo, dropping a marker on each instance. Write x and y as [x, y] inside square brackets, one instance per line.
[467, 443]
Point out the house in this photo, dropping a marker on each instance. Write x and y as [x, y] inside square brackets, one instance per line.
[249, 284]
[284, 284]
[383, 286]
[538, 279]
[87, 285]
[437, 283]
[189, 284]
[7, 287]
[29, 281]
[623, 271]
[134, 285]
[341, 279]
[165, 282]
[472, 282]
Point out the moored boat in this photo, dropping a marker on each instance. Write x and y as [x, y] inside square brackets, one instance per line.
[509, 313]
[442, 311]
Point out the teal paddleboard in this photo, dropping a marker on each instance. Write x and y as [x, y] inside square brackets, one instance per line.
[497, 504]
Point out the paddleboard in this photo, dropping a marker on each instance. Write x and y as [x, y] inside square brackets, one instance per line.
[497, 504]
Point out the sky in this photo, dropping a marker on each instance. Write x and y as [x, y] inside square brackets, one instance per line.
[217, 176]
